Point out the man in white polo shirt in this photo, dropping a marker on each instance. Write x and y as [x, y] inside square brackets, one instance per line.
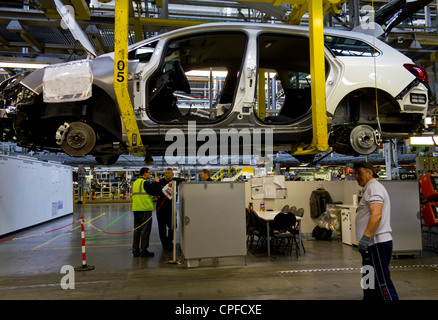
[373, 230]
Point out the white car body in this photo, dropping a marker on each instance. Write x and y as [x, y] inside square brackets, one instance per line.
[360, 72]
[358, 66]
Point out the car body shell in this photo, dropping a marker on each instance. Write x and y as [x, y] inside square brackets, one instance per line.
[381, 72]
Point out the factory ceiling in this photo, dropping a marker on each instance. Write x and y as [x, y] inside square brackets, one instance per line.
[32, 30]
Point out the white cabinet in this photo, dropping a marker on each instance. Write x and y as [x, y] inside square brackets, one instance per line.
[348, 224]
[213, 220]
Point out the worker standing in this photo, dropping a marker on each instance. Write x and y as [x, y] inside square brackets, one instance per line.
[142, 207]
[373, 230]
[164, 213]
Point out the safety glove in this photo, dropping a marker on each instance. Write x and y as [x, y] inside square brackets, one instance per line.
[363, 244]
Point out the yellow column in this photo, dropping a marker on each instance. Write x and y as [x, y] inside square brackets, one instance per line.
[138, 27]
[317, 71]
[121, 77]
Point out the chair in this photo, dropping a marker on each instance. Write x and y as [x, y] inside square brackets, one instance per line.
[257, 228]
[283, 232]
[299, 213]
[292, 209]
[249, 228]
[285, 208]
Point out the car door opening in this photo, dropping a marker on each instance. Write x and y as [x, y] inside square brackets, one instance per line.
[197, 78]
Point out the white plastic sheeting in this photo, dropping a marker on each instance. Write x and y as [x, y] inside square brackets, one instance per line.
[71, 81]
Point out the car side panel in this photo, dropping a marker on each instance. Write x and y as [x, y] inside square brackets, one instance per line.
[360, 72]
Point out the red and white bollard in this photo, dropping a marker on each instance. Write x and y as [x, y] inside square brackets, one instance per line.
[85, 266]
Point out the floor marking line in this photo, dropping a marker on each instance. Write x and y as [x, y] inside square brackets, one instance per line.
[49, 285]
[104, 246]
[352, 269]
[89, 247]
[47, 242]
[89, 221]
[111, 223]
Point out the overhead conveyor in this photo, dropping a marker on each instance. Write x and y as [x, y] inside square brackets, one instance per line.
[123, 19]
[316, 9]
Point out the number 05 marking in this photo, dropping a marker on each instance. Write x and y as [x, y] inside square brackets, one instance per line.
[121, 69]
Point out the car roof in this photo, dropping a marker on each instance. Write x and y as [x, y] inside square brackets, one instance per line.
[236, 26]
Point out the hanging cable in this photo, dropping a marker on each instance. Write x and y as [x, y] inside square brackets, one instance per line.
[375, 67]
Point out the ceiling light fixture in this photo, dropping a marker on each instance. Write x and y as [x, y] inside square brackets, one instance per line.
[22, 65]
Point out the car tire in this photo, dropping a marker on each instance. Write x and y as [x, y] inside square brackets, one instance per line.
[107, 160]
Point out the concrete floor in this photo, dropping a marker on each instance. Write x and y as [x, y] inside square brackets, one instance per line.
[30, 268]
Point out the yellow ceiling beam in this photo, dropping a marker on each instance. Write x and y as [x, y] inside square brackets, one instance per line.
[81, 9]
[434, 56]
[173, 23]
[297, 14]
[300, 7]
[327, 5]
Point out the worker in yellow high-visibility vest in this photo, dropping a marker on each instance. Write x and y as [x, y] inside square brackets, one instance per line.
[142, 207]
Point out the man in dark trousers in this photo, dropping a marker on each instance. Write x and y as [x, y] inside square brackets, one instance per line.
[164, 213]
[373, 231]
[142, 207]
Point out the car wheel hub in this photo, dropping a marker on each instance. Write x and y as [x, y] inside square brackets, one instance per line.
[363, 139]
[80, 139]
[77, 139]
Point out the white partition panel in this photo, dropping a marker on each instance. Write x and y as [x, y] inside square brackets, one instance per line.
[213, 220]
[405, 206]
[32, 192]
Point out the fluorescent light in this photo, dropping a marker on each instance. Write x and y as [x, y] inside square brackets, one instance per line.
[23, 65]
[421, 141]
[206, 73]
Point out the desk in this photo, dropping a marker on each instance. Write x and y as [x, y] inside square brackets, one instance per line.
[269, 216]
